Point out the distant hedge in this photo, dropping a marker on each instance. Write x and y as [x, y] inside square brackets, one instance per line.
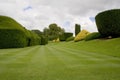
[108, 22]
[34, 39]
[64, 36]
[12, 38]
[44, 40]
[70, 38]
[94, 35]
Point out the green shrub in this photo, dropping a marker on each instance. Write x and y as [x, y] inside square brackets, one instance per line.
[108, 22]
[67, 35]
[34, 39]
[91, 36]
[43, 38]
[70, 38]
[12, 38]
[64, 36]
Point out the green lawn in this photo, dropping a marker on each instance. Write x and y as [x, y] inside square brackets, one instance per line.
[91, 60]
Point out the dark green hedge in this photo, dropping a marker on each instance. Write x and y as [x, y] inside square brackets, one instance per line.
[64, 36]
[94, 35]
[12, 34]
[68, 34]
[108, 22]
[12, 38]
[34, 39]
[44, 40]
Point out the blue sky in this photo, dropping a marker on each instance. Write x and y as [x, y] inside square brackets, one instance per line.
[27, 8]
[92, 19]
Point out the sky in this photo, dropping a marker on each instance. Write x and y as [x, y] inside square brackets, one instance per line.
[38, 14]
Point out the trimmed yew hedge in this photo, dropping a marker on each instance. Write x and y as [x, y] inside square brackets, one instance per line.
[14, 35]
[108, 22]
[64, 36]
[34, 39]
[12, 38]
[44, 40]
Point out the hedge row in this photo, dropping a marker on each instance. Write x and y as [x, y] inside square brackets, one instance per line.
[43, 40]
[64, 36]
[34, 39]
[12, 38]
[14, 35]
[94, 35]
[70, 38]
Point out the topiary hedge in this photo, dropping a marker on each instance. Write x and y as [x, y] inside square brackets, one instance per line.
[70, 38]
[108, 22]
[64, 36]
[44, 40]
[68, 34]
[12, 38]
[34, 39]
[12, 34]
[91, 36]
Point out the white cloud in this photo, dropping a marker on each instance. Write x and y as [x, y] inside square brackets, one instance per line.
[44, 12]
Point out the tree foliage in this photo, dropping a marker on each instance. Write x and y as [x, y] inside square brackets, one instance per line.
[53, 31]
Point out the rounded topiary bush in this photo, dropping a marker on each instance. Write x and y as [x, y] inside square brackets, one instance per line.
[70, 38]
[91, 36]
[108, 22]
[12, 34]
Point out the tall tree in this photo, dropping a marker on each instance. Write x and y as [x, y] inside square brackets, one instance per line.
[53, 31]
[77, 29]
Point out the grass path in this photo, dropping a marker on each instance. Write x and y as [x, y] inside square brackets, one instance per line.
[60, 61]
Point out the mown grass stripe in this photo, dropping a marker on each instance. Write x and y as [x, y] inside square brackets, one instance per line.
[90, 58]
[15, 56]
